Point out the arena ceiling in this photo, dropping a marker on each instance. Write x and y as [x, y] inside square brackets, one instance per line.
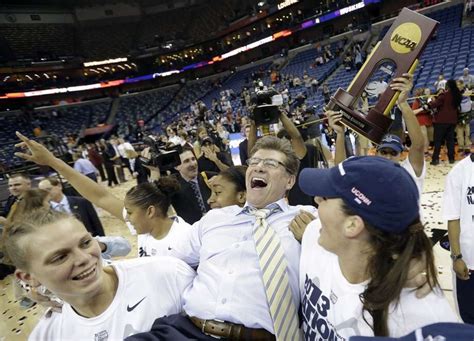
[84, 3]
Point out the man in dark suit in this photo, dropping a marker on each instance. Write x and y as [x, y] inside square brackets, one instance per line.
[190, 202]
[17, 185]
[79, 207]
[243, 146]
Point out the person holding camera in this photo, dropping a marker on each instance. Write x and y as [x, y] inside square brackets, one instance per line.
[145, 206]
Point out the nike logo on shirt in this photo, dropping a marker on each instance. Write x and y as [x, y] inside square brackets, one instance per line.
[129, 309]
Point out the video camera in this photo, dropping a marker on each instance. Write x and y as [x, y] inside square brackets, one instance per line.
[266, 102]
[162, 156]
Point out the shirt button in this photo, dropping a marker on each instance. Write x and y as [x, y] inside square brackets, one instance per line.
[223, 301]
[231, 272]
[245, 238]
[237, 246]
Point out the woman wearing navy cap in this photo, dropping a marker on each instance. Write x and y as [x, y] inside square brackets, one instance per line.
[355, 258]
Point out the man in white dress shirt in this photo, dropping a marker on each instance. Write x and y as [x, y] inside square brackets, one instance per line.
[228, 297]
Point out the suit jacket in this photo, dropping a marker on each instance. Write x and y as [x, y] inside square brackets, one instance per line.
[185, 203]
[243, 152]
[8, 205]
[86, 213]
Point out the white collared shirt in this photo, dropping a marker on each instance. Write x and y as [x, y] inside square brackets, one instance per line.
[61, 206]
[229, 283]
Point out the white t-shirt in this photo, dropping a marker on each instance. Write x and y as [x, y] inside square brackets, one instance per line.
[419, 180]
[148, 288]
[458, 203]
[149, 246]
[331, 307]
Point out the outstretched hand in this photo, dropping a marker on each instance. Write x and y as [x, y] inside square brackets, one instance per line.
[36, 152]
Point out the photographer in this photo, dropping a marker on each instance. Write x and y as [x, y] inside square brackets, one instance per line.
[267, 108]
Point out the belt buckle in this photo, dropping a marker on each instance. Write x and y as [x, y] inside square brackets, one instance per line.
[208, 334]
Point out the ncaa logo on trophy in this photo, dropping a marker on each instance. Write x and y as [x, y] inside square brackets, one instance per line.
[401, 46]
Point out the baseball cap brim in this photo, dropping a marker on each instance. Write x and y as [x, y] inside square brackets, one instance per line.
[391, 146]
[317, 182]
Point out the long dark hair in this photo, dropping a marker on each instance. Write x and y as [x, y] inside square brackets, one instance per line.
[388, 268]
[157, 193]
[453, 88]
[235, 175]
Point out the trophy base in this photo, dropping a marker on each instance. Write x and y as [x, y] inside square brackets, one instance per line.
[374, 125]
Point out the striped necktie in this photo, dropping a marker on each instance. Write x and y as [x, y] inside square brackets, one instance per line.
[273, 265]
[197, 194]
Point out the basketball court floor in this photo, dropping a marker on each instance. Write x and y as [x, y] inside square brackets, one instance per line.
[17, 323]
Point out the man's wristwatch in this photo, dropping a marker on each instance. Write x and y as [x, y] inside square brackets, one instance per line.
[456, 257]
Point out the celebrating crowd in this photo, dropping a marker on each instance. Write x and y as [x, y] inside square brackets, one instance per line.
[278, 248]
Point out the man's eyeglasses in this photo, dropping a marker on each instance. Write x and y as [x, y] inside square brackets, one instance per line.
[389, 152]
[267, 163]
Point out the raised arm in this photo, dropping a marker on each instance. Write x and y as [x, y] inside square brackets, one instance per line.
[89, 189]
[252, 139]
[416, 154]
[334, 119]
[297, 141]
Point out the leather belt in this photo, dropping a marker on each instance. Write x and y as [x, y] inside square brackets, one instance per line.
[231, 331]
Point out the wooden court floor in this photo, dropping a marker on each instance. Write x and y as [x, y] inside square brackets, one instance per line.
[17, 323]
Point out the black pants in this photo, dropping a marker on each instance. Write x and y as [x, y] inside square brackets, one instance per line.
[126, 163]
[442, 132]
[109, 169]
[100, 168]
[174, 327]
[465, 298]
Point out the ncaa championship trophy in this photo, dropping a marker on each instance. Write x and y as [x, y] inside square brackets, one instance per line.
[402, 45]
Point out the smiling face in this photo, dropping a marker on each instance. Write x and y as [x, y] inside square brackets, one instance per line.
[339, 231]
[188, 167]
[224, 193]
[71, 267]
[332, 221]
[267, 185]
[18, 185]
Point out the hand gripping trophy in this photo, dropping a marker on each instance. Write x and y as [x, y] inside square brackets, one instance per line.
[402, 45]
